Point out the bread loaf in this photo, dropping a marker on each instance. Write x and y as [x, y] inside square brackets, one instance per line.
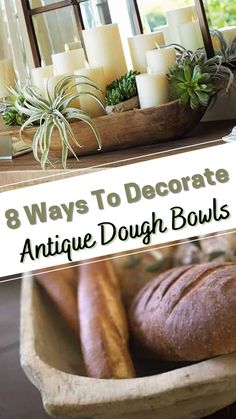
[61, 286]
[187, 313]
[103, 323]
[134, 271]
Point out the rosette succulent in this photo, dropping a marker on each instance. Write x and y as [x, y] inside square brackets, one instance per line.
[191, 85]
[195, 79]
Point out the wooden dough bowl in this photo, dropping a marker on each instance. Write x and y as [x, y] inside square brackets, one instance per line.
[51, 359]
[128, 129]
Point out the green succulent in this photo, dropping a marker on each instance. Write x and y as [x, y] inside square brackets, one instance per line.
[195, 79]
[189, 84]
[122, 89]
[12, 117]
[53, 112]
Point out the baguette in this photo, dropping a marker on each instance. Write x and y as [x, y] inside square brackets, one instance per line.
[188, 313]
[103, 324]
[61, 286]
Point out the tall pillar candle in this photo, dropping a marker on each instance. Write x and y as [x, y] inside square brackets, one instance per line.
[68, 61]
[38, 74]
[87, 103]
[178, 17]
[104, 49]
[153, 90]
[165, 30]
[139, 45]
[7, 76]
[159, 60]
[190, 36]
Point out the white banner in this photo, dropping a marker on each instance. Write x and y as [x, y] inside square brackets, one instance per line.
[118, 209]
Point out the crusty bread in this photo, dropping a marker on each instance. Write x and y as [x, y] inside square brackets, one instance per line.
[188, 313]
[134, 271]
[61, 286]
[103, 324]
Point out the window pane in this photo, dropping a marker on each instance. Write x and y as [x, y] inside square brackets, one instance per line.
[221, 13]
[53, 29]
[95, 13]
[39, 3]
[153, 11]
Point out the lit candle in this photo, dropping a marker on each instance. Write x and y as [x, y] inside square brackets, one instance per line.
[229, 33]
[178, 17]
[49, 84]
[38, 74]
[73, 45]
[182, 15]
[159, 60]
[153, 90]
[7, 76]
[104, 49]
[68, 61]
[88, 104]
[139, 45]
[191, 36]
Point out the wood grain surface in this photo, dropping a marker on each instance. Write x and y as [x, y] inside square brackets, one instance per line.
[207, 131]
[124, 129]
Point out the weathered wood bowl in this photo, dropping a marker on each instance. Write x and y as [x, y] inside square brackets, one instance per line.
[51, 359]
[129, 129]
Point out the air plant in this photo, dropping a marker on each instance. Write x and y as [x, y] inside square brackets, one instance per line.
[52, 112]
[227, 52]
[195, 79]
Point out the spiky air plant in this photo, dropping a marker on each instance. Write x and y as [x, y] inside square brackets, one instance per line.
[227, 52]
[195, 79]
[53, 112]
[122, 89]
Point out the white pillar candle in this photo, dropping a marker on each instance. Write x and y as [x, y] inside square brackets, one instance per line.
[229, 33]
[104, 49]
[68, 61]
[49, 84]
[182, 15]
[159, 60]
[191, 36]
[73, 45]
[165, 30]
[87, 103]
[178, 17]
[139, 45]
[7, 76]
[38, 74]
[153, 90]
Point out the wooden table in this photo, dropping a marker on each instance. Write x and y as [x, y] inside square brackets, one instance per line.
[207, 131]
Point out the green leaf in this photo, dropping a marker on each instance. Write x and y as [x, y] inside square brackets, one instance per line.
[188, 73]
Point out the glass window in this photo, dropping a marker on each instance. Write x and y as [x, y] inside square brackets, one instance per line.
[221, 13]
[153, 11]
[38, 3]
[50, 36]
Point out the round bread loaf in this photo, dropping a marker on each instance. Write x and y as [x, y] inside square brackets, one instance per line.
[187, 313]
[103, 323]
